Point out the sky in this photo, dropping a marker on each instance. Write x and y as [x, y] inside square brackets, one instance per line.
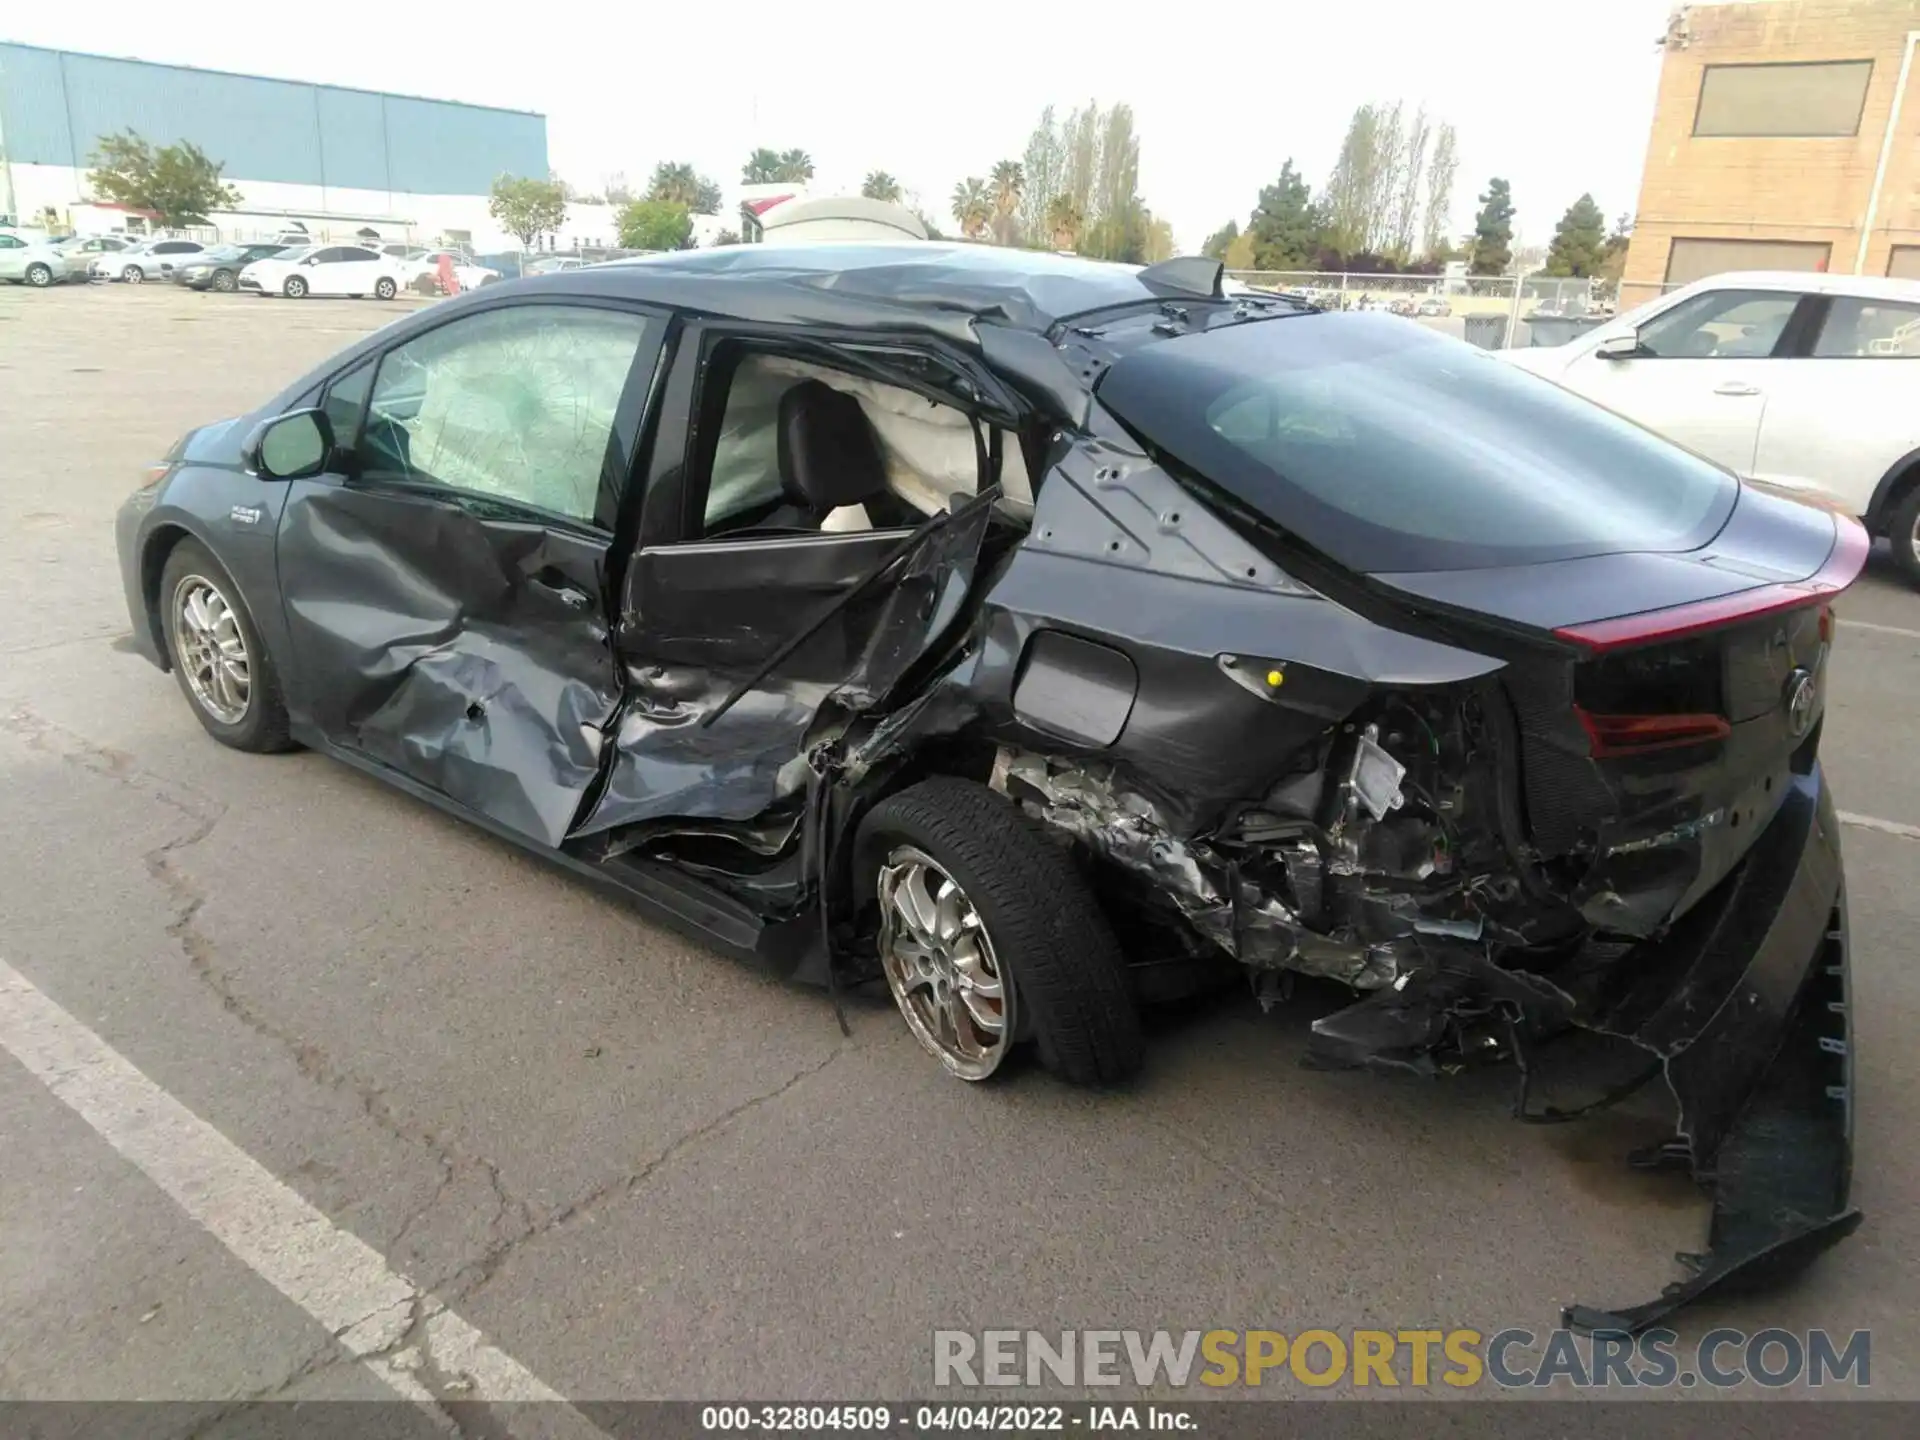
[1555, 95]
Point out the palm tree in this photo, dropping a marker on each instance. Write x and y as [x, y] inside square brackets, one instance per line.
[972, 206]
[795, 166]
[879, 185]
[762, 168]
[1064, 220]
[1009, 183]
[677, 184]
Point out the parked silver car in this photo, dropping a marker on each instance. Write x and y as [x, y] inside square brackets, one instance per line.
[31, 260]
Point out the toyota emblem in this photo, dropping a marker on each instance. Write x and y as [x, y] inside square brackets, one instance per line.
[1802, 694]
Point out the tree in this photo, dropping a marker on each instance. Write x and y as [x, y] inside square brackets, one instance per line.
[1579, 241]
[1492, 249]
[1008, 183]
[176, 182]
[616, 190]
[972, 206]
[1613, 261]
[1158, 243]
[726, 237]
[1285, 230]
[1442, 165]
[679, 184]
[527, 208]
[1063, 221]
[656, 225]
[762, 168]
[1239, 254]
[796, 166]
[1221, 239]
[1044, 164]
[879, 185]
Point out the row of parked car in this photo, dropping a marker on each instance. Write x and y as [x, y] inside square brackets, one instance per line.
[293, 268]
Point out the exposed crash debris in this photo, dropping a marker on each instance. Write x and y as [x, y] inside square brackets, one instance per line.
[1509, 721]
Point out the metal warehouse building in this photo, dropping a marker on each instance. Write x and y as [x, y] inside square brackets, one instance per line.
[335, 162]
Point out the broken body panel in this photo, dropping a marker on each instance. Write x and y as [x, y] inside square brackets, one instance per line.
[1410, 756]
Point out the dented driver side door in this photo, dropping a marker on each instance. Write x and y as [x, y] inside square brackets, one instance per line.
[445, 583]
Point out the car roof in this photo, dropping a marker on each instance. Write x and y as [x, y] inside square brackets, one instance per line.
[1813, 282]
[923, 284]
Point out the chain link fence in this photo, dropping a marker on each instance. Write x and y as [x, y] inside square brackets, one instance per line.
[1495, 312]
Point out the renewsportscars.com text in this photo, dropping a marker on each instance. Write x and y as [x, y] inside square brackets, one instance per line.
[1459, 1358]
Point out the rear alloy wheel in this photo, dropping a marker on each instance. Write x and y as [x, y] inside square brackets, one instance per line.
[385, 289]
[39, 276]
[295, 288]
[1903, 529]
[989, 937]
[224, 281]
[216, 653]
[134, 275]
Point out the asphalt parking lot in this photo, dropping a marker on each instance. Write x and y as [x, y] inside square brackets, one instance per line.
[631, 1168]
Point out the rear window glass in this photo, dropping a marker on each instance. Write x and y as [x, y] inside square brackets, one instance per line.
[1390, 448]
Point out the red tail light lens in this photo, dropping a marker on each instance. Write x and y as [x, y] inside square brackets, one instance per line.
[1638, 734]
[1843, 566]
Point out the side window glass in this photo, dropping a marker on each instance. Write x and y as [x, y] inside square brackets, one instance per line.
[346, 402]
[1720, 325]
[1858, 329]
[516, 403]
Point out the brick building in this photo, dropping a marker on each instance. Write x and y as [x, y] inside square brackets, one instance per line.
[1785, 137]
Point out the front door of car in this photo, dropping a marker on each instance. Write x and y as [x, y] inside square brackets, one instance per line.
[13, 257]
[445, 584]
[1700, 374]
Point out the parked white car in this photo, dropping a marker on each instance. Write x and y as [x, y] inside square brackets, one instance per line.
[324, 270]
[1806, 382]
[423, 264]
[28, 260]
[152, 260]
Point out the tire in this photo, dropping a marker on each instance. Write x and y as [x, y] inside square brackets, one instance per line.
[295, 288]
[1903, 529]
[39, 276]
[134, 275]
[1049, 942]
[261, 723]
[225, 281]
[385, 289]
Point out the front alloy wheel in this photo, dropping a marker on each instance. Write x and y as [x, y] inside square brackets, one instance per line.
[296, 288]
[223, 281]
[385, 289]
[941, 967]
[134, 275]
[213, 657]
[39, 276]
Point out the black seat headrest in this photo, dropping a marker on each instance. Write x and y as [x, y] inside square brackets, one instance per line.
[829, 455]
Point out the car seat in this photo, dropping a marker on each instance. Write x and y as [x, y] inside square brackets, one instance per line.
[831, 469]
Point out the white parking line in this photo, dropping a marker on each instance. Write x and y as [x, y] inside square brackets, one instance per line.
[336, 1277]
[1880, 629]
[1885, 827]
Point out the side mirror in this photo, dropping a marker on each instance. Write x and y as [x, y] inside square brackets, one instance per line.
[291, 446]
[1618, 347]
[311, 260]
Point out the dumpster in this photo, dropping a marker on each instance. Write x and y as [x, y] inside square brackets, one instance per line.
[1489, 332]
[1560, 329]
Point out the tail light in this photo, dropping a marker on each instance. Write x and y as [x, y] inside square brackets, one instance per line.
[1843, 566]
[1610, 735]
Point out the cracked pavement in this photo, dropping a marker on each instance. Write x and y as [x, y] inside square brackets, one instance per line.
[643, 1170]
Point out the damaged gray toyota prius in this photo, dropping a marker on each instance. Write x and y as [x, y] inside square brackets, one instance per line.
[1044, 637]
